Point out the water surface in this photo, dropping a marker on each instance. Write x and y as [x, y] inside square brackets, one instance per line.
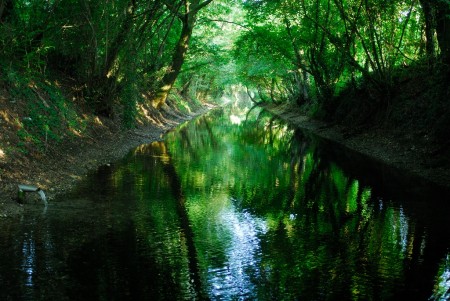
[235, 205]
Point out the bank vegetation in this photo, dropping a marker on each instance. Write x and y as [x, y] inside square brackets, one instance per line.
[70, 66]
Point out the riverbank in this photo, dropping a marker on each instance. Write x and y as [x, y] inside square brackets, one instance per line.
[61, 167]
[412, 152]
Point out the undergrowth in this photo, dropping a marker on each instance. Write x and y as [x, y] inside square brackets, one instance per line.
[47, 115]
[415, 100]
[48, 112]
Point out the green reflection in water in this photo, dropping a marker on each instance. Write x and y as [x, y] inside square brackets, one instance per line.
[441, 289]
[271, 219]
[235, 205]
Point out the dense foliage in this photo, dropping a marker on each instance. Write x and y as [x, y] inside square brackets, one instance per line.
[311, 51]
[116, 56]
[63, 60]
[105, 45]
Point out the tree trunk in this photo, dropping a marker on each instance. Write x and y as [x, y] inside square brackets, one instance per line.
[301, 73]
[177, 62]
[102, 84]
[6, 7]
[430, 27]
[443, 29]
[118, 42]
[188, 18]
[2, 8]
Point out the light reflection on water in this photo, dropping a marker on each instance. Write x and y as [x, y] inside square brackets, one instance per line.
[242, 254]
[28, 265]
[223, 210]
[441, 289]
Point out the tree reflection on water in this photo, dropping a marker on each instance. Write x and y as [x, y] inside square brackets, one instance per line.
[228, 210]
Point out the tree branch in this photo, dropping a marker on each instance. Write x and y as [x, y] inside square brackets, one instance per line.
[201, 5]
[174, 9]
[226, 21]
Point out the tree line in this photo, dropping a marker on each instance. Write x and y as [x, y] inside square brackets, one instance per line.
[113, 48]
[123, 52]
[309, 51]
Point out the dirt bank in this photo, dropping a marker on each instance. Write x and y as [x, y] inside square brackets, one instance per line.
[412, 152]
[61, 167]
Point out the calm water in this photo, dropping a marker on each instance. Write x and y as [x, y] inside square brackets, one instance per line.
[233, 209]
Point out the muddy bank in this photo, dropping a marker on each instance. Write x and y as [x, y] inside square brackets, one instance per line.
[60, 168]
[414, 153]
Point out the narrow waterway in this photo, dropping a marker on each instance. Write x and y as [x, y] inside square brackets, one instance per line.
[235, 205]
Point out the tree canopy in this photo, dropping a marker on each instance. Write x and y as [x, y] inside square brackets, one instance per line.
[123, 53]
[318, 46]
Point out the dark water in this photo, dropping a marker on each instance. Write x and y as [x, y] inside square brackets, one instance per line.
[227, 209]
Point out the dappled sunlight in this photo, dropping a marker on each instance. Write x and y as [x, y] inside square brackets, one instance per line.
[98, 121]
[148, 114]
[75, 132]
[145, 112]
[226, 100]
[235, 120]
[5, 116]
[238, 204]
[10, 123]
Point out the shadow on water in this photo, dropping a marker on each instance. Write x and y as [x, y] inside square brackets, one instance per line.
[187, 233]
[132, 269]
[235, 205]
[374, 197]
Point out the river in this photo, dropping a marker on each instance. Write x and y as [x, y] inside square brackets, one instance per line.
[235, 205]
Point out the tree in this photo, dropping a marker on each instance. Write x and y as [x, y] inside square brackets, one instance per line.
[430, 28]
[186, 11]
[6, 7]
[442, 8]
[333, 42]
[209, 71]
